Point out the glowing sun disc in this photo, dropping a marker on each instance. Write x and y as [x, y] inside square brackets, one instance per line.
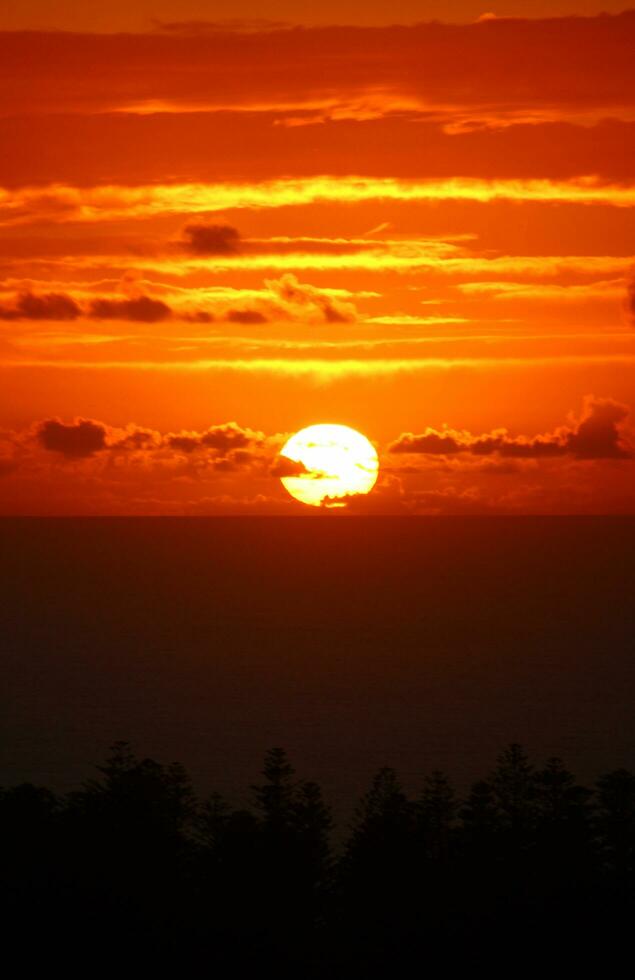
[333, 462]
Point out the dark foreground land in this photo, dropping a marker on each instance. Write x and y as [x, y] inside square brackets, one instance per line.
[132, 874]
[357, 644]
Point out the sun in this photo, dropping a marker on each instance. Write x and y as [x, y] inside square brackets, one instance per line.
[322, 464]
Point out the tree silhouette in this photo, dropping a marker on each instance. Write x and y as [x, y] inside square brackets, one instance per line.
[480, 815]
[377, 875]
[267, 869]
[563, 815]
[616, 822]
[153, 878]
[29, 817]
[140, 793]
[562, 865]
[514, 793]
[128, 851]
[294, 826]
[435, 813]
[275, 796]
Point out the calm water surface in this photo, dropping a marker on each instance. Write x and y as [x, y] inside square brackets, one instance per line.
[353, 643]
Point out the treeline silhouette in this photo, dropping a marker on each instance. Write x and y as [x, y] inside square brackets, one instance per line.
[133, 872]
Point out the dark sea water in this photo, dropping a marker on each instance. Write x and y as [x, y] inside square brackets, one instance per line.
[352, 642]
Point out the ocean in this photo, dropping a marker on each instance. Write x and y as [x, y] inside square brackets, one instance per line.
[352, 642]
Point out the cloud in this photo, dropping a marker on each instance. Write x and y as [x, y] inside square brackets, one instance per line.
[224, 449]
[92, 204]
[230, 444]
[433, 65]
[134, 439]
[198, 316]
[430, 442]
[141, 308]
[596, 435]
[60, 306]
[245, 316]
[280, 299]
[630, 299]
[284, 466]
[290, 291]
[49, 306]
[220, 438]
[289, 299]
[133, 469]
[234, 460]
[209, 239]
[81, 438]
[603, 290]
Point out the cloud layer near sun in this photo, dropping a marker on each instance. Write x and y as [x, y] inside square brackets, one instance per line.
[90, 466]
[425, 232]
[596, 436]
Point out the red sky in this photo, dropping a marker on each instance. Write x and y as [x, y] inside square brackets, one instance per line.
[214, 234]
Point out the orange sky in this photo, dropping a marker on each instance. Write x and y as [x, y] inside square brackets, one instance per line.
[213, 235]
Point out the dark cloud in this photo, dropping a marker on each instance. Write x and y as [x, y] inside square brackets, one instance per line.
[185, 444]
[520, 448]
[207, 239]
[136, 439]
[59, 306]
[245, 316]
[291, 299]
[236, 459]
[81, 438]
[142, 309]
[430, 443]
[50, 306]
[219, 438]
[334, 313]
[230, 445]
[229, 436]
[300, 294]
[597, 435]
[199, 316]
[226, 465]
[283, 466]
